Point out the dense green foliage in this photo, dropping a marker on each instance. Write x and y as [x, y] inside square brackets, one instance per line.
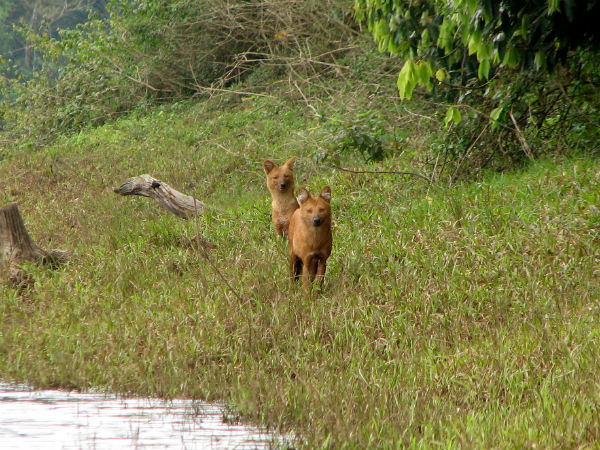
[152, 51]
[466, 37]
[42, 16]
[511, 82]
[530, 69]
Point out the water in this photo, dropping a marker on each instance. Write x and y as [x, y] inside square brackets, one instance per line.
[56, 419]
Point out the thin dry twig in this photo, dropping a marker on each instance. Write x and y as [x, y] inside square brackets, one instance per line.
[524, 144]
[393, 172]
[311, 107]
[466, 153]
[230, 91]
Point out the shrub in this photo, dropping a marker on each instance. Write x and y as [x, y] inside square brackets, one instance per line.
[152, 51]
[525, 73]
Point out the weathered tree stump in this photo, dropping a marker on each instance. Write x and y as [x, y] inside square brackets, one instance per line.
[17, 247]
[181, 205]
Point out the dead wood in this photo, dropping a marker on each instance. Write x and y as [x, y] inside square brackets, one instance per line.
[180, 204]
[17, 247]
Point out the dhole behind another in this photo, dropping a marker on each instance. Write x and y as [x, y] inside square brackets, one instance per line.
[280, 181]
[310, 237]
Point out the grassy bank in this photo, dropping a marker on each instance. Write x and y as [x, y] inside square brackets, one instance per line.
[463, 317]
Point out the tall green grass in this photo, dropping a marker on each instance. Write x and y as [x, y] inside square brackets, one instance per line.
[462, 317]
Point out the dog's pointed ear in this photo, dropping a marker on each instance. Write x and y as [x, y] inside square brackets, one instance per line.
[290, 162]
[302, 195]
[326, 194]
[269, 165]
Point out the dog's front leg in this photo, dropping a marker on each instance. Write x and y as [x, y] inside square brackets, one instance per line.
[321, 267]
[306, 272]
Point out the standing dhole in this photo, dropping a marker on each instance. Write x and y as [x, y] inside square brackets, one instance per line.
[310, 236]
[280, 181]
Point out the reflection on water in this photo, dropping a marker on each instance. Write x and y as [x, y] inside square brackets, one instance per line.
[54, 419]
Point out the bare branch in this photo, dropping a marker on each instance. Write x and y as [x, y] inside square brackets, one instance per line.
[394, 172]
[181, 205]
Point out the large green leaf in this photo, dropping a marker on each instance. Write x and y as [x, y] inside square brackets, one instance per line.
[484, 69]
[452, 115]
[407, 79]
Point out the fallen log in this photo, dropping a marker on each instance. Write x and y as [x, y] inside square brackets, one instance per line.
[180, 204]
[17, 247]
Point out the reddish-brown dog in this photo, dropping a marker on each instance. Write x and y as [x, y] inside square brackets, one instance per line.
[280, 181]
[310, 237]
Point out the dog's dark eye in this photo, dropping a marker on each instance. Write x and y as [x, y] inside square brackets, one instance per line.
[309, 210]
[321, 210]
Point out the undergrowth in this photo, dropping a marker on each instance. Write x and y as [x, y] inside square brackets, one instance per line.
[451, 317]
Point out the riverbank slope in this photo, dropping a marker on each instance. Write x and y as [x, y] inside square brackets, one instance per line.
[451, 317]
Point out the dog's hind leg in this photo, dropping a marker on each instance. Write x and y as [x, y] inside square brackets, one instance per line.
[297, 269]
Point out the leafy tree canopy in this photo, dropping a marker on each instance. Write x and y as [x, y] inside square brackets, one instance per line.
[41, 16]
[456, 39]
[521, 72]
